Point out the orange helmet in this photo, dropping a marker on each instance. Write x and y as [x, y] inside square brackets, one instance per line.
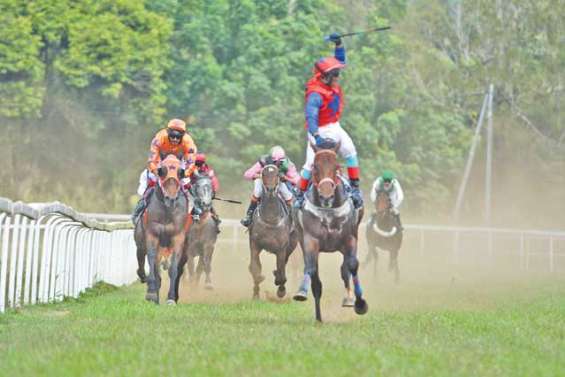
[177, 124]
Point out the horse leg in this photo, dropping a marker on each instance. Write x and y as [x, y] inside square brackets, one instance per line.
[361, 306]
[393, 265]
[346, 277]
[141, 253]
[199, 269]
[152, 280]
[375, 252]
[208, 252]
[190, 269]
[312, 270]
[178, 259]
[280, 275]
[255, 268]
[302, 294]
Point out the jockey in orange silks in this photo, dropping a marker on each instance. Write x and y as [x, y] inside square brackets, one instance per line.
[171, 140]
[323, 108]
[288, 175]
[201, 167]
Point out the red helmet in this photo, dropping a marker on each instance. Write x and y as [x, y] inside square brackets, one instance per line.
[326, 65]
[200, 159]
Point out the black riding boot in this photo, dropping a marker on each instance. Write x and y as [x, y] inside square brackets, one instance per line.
[141, 205]
[248, 219]
[356, 193]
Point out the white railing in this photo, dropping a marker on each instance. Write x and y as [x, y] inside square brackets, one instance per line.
[524, 249]
[49, 251]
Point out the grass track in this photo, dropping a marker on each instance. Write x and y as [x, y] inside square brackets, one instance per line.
[118, 334]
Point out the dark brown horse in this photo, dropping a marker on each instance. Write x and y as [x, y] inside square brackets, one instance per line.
[203, 234]
[161, 232]
[328, 222]
[272, 230]
[384, 232]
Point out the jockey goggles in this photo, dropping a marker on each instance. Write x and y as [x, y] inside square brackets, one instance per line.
[175, 134]
[332, 73]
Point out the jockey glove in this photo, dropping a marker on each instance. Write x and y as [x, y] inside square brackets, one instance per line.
[335, 38]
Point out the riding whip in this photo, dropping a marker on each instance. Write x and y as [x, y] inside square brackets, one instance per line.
[228, 200]
[384, 28]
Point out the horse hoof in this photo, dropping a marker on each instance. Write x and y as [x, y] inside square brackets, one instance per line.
[209, 287]
[300, 296]
[347, 302]
[171, 302]
[361, 306]
[153, 297]
[141, 275]
[281, 292]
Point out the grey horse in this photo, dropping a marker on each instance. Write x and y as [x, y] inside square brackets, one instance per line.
[272, 230]
[328, 222]
[202, 236]
[160, 233]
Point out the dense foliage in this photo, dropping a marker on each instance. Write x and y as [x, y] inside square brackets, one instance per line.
[84, 85]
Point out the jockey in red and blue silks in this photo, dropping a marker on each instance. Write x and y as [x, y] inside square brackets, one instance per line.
[324, 104]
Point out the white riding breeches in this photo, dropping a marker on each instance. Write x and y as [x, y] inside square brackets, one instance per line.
[335, 132]
[144, 179]
[283, 190]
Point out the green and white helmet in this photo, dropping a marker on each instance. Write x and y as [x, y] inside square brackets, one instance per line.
[388, 176]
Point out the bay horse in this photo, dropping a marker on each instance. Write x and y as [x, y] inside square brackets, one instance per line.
[272, 230]
[202, 236]
[329, 222]
[161, 231]
[384, 232]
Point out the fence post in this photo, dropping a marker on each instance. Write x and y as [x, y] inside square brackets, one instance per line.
[456, 247]
[522, 257]
[5, 238]
[551, 266]
[422, 244]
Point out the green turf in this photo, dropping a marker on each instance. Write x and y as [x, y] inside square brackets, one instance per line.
[118, 334]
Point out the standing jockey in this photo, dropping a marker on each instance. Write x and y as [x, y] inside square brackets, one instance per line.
[202, 168]
[171, 140]
[288, 175]
[324, 104]
[388, 183]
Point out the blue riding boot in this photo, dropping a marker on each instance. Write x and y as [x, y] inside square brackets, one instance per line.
[299, 200]
[356, 194]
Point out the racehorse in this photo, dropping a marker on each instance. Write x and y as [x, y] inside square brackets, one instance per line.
[328, 222]
[272, 230]
[161, 231]
[202, 236]
[384, 232]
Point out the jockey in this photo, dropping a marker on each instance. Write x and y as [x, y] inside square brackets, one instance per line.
[201, 167]
[324, 104]
[388, 183]
[287, 172]
[171, 140]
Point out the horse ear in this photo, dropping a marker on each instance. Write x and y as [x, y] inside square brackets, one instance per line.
[337, 146]
[314, 148]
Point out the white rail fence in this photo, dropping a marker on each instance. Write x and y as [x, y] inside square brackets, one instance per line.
[536, 250]
[49, 251]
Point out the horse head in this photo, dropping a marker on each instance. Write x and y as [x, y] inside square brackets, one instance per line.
[324, 173]
[170, 174]
[382, 204]
[270, 179]
[202, 191]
